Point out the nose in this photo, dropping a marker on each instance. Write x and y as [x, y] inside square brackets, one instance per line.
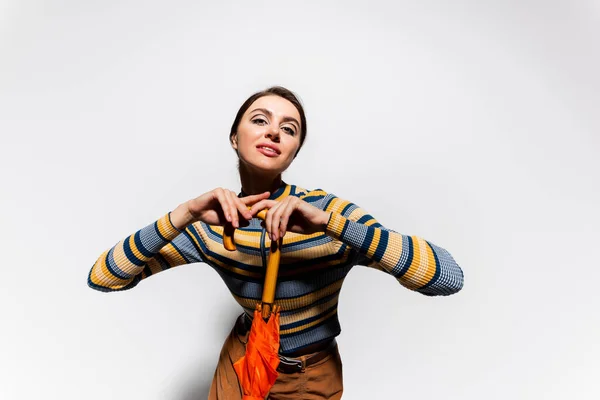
[273, 133]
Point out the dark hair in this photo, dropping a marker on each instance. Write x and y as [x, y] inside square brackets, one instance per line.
[272, 91]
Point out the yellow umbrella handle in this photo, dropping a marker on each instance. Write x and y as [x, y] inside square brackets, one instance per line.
[268, 296]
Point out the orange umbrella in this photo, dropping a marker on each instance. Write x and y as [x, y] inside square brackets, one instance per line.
[257, 369]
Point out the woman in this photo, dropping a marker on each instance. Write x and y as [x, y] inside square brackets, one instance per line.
[323, 238]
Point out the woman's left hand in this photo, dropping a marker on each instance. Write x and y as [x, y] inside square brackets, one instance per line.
[291, 214]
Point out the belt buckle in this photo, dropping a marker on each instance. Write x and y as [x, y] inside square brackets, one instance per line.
[290, 362]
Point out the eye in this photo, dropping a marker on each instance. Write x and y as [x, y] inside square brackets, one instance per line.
[259, 121]
[289, 130]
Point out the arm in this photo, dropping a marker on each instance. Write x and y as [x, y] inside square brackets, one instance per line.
[416, 263]
[155, 248]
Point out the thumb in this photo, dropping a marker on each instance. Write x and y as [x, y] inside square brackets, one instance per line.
[249, 200]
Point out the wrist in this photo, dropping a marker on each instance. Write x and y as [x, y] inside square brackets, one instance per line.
[181, 217]
[325, 218]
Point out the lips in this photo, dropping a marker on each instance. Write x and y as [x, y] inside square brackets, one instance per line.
[268, 149]
[268, 152]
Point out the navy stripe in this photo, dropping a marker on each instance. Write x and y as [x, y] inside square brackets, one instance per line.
[192, 232]
[346, 223]
[364, 219]
[164, 239]
[223, 272]
[162, 261]
[180, 253]
[129, 254]
[328, 202]
[316, 303]
[308, 320]
[370, 235]
[381, 246]
[408, 258]
[333, 318]
[346, 208]
[147, 270]
[111, 269]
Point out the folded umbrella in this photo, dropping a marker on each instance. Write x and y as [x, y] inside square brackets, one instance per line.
[257, 369]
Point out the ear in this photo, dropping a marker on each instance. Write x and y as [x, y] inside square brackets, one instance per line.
[234, 143]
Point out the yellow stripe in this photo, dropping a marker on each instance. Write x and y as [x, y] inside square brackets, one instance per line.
[166, 229]
[285, 193]
[337, 205]
[309, 313]
[407, 279]
[374, 242]
[314, 193]
[393, 251]
[172, 255]
[295, 303]
[135, 250]
[430, 264]
[102, 276]
[311, 324]
[236, 270]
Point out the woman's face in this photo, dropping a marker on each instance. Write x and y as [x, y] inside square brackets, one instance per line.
[268, 135]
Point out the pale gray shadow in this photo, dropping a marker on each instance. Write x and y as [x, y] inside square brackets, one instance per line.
[198, 387]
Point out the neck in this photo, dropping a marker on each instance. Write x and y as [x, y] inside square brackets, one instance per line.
[256, 183]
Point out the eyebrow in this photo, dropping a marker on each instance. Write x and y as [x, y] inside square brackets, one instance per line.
[270, 114]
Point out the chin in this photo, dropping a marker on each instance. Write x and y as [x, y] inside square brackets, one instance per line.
[262, 167]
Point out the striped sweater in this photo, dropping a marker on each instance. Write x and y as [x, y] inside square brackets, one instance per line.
[312, 267]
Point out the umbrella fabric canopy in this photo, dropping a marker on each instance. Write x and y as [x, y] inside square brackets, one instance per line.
[257, 369]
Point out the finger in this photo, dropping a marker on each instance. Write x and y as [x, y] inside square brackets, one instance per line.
[231, 210]
[220, 195]
[278, 216]
[238, 206]
[249, 200]
[243, 208]
[261, 205]
[231, 198]
[286, 213]
[270, 222]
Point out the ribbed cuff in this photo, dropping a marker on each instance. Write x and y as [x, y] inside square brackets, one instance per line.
[166, 229]
[335, 226]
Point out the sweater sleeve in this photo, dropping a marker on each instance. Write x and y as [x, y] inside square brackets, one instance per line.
[417, 264]
[155, 248]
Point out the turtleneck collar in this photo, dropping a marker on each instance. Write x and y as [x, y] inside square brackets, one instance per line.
[282, 192]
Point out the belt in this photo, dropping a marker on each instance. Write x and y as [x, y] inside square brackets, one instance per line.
[288, 365]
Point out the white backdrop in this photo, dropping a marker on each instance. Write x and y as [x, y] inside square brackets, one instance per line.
[473, 124]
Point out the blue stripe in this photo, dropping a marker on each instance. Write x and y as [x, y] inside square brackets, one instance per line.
[346, 208]
[346, 223]
[112, 270]
[316, 303]
[138, 242]
[180, 253]
[408, 258]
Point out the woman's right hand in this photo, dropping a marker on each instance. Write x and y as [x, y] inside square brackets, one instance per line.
[221, 206]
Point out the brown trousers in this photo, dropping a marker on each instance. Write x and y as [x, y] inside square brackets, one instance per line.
[322, 380]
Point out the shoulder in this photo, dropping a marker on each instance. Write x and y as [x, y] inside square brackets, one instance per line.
[319, 198]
